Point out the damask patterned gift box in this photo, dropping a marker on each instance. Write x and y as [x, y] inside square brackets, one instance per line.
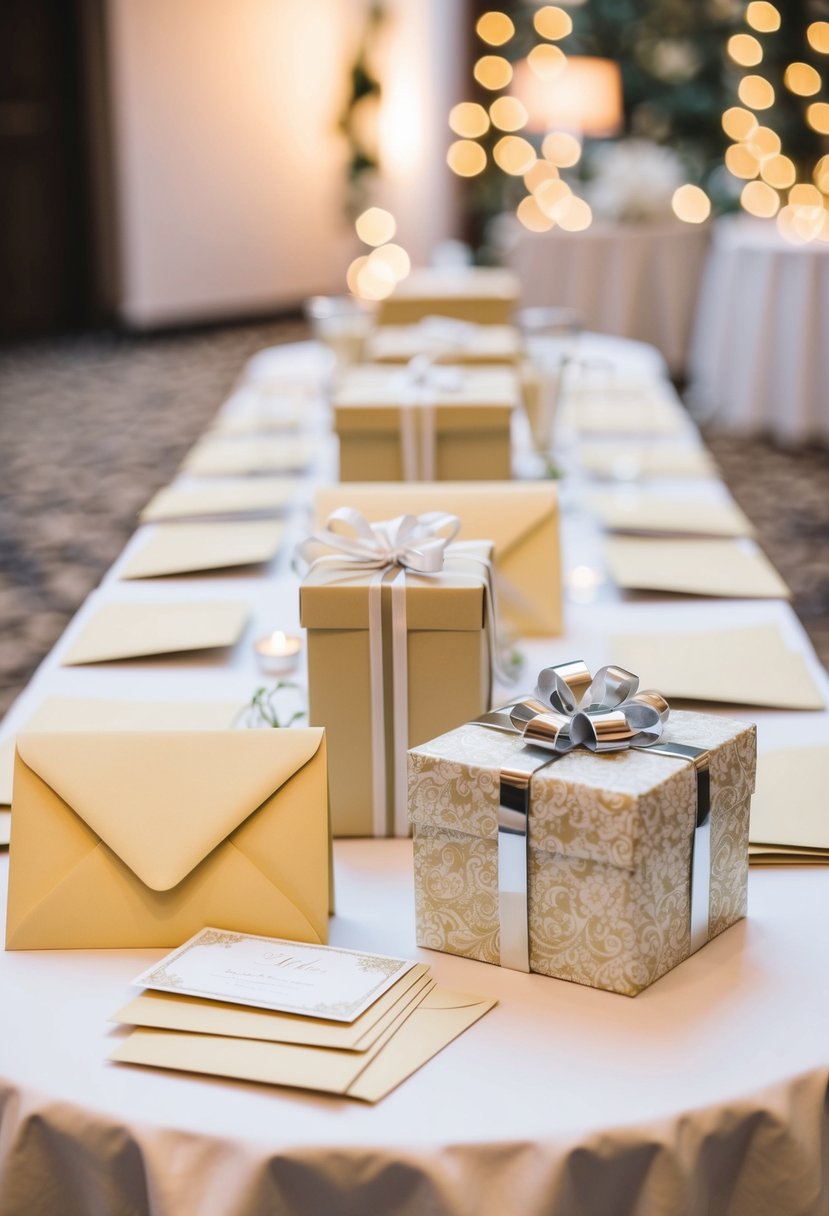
[567, 846]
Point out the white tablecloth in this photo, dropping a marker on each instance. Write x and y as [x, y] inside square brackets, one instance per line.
[631, 280]
[760, 354]
[706, 1093]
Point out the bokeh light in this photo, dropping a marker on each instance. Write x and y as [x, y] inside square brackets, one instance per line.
[691, 204]
[745, 50]
[508, 114]
[375, 226]
[547, 61]
[552, 22]
[469, 119]
[802, 79]
[573, 214]
[495, 28]
[741, 161]
[466, 158]
[739, 123]
[778, 171]
[817, 116]
[493, 72]
[514, 155]
[763, 17]
[755, 92]
[532, 217]
[759, 199]
[542, 171]
[392, 259]
[561, 149]
[818, 35]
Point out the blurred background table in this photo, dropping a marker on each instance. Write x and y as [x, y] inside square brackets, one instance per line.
[634, 280]
[759, 360]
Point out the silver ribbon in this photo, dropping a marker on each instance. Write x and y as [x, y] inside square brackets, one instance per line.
[417, 388]
[604, 713]
[417, 543]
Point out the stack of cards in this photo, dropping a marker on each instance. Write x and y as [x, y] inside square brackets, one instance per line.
[285, 1013]
[789, 813]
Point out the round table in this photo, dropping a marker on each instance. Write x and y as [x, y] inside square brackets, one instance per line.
[759, 356]
[630, 280]
[704, 1093]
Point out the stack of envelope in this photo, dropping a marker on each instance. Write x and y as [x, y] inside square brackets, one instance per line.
[789, 813]
[283, 1013]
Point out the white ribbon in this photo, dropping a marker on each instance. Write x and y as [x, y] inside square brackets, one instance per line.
[409, 542]
[417, 389]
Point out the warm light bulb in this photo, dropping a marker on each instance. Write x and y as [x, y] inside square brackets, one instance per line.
[691, 204]
[466, 158]
[495, 28]
[547, 61]
[759, 199]
[778, 171]
[573, 214]
[508, 114]
[532, 217]
[762, 17]
[552, 22]
[375, 226]
[741, 161]
[745, 50]
[493, 72]
[739, 123]
[818, 36]
[541, 172]
[561, 149]
[469, 119]
[802, 79]
[514, 155]
[817, 116]
[755, 92]
[391, 258]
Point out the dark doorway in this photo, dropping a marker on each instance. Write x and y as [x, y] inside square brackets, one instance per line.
[48, 274]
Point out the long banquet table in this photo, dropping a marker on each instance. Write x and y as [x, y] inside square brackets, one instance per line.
[706, 1093]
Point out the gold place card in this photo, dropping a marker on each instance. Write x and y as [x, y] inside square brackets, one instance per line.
[747, 666]
[623, 512]
[191, 547]
[214, 457]
[411, 1041]
[271, 973]
[133, 631]
[229, 496]
[694, 567]
[629, 461]
[790, 813]
[170, 1011]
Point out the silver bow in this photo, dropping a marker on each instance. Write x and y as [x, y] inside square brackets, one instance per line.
[415, 542]
[572, 709]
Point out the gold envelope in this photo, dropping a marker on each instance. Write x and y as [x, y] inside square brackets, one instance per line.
[133, 631]
[185, 548]
[228, 496]
[140, 839]
[173, 1011]
[408, 1044]
[520, 518]
[266, 455]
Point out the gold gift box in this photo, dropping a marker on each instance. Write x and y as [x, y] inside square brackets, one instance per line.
[449, 676]
[478, 344]
[610, 848]
[472, 440]
[486, 295]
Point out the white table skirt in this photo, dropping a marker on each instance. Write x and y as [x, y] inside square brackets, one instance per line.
[635, 281]
[760, 350]
[704, 1093]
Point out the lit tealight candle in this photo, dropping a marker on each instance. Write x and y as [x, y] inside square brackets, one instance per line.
[278, 653]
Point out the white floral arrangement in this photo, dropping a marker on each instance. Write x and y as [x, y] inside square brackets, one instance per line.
[633, 180]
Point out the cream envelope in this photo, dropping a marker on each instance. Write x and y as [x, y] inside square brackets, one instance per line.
[628, 461]
[133, 839]
[262, 420]
[230, 496]
[183, 548]
[369, 1076]
[622, 512]
[748, 666]
[521, 518]
[694, 567]
[217, 456]
[777, 855]
[170, 1011]
[595, 414]
[790, 807]
[84, 713]
[131, 631]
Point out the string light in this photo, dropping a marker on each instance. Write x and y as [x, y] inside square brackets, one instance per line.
[801, 208]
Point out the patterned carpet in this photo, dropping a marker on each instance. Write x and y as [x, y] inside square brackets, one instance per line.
[90, 427]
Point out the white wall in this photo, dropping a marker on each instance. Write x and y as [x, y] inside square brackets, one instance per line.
[229, 169]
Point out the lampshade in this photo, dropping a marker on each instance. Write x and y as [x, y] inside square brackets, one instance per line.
[585, 97]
